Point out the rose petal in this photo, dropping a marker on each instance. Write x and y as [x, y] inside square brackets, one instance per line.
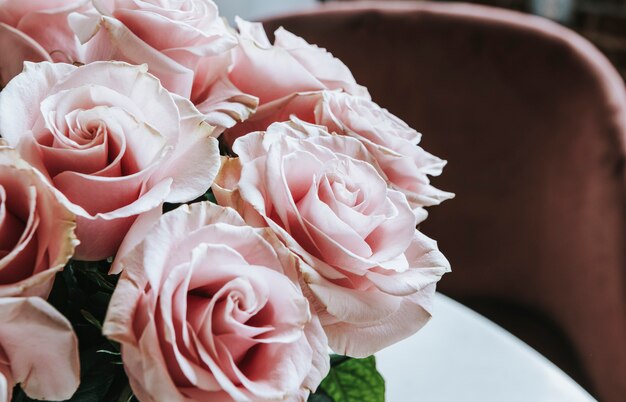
[49, 28]
[224, 105]
[195, 162]
[320, 63]
[24, 95]
[16, 48]
[28, 323]
[44, 242]
[114, 41]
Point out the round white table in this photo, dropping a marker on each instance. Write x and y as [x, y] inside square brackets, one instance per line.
[460, 356]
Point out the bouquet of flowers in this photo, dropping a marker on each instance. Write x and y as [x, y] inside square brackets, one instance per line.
[189, 212]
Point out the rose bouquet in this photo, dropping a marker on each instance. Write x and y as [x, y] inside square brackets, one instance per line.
[190, 212]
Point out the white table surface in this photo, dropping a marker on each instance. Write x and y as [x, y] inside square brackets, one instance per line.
[460, 356]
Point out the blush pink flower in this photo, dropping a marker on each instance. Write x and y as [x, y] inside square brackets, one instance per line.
[209, 309]
[185, 44]
[368, 272]
[38, 350]
[391, 142]
[36, 231]
[35, 30]
[111, 140]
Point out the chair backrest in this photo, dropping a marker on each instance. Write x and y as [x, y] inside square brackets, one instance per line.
[532, 119]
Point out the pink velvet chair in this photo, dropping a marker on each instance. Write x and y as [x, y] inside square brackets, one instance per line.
[532, 119]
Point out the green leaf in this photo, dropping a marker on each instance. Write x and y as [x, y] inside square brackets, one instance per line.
[336, 360]
[20, 396]
[91, 271]
[97, 375]
[82, 293]
[167, 207]
[352, 380]
[126, 395]
[319, 397]
[91, 319]
[209, 196]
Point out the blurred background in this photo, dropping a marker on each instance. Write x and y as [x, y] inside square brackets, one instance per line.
[603, 22]
[526, 100]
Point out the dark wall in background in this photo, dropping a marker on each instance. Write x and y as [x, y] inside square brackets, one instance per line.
[603, 22]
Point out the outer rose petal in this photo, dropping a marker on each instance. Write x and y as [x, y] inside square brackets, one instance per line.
[16, 48]
[35, 31]
[321, 364]
[300, 104]
[362, 341]
[357, 331]
[276, 73]
[196, 159]
[5, 388]
[50, 372]
[35, 81]
[290, 66]
[328, 69]
[102, 233]
[51, 30]
[114, 41]
[139, 229]
[54, 236]
[226, 105]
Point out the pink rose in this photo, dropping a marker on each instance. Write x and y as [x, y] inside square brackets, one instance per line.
[36, 231]
[369, 273]
[291, 65]
[38, 350]
[392, 143]
[111, 140]
[208, 309]
[35, 30]
[185, 44]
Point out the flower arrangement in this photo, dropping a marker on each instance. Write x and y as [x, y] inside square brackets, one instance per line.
[189, 212]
